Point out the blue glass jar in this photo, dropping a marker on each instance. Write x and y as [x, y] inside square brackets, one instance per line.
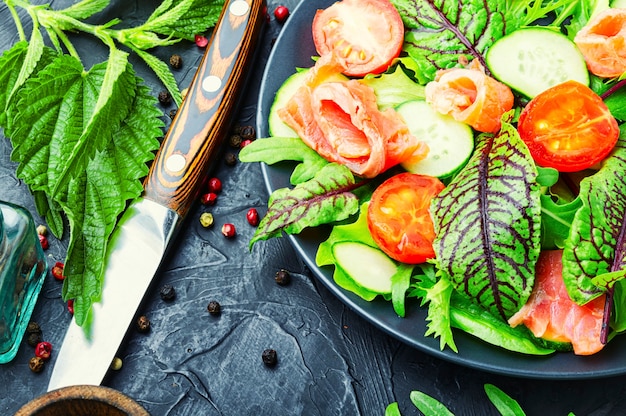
[22, 272]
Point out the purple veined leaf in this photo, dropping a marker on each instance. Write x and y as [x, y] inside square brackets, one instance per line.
[488, 224]
[440, 34]
[596, 244]
[324, 199]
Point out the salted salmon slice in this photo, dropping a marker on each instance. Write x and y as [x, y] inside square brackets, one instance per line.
[552, 315]
[602, 41]
[470, 96]
[341, 121]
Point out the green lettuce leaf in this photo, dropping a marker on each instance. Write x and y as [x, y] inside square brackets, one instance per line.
[324, 199]
[596, 244]
[488, 222]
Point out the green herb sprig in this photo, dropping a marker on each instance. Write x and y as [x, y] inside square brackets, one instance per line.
[82, 137]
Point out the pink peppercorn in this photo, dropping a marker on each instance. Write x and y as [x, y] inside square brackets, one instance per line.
[228, 230]
[43, 350]
[253, 217]
[43, 240]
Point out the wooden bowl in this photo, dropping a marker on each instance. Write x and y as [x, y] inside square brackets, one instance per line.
[83, 401]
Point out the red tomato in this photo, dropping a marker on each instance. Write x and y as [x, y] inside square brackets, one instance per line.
[365, 34]
[568, 127]
[398, 217]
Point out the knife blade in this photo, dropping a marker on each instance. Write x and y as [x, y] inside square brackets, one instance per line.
[150, 223]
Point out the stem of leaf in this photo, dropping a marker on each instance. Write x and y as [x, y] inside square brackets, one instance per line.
[17, 21]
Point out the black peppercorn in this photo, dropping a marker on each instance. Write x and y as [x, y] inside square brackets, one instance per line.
[168, 292]
[235, 141]
[230, 158]
[164, 97]
[282, 277]
[36, 364]
[33, 328]
[34, 338]
[176, 61]
[247, 133]
[214, 307]
[143, 324]
[173, 113]
[269, 357]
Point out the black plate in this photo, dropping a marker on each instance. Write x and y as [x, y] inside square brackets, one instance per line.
[294, 48]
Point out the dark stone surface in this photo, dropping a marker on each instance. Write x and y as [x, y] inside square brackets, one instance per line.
[330, 360]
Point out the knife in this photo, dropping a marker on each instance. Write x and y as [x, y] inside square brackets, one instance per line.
[179, 169]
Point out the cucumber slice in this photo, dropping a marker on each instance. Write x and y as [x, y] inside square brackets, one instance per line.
[531, 60]
[369, 267]
[450, 142]
[276, 127]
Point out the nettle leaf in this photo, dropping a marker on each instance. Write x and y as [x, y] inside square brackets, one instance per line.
[441, 33]
[62, 114]
[85, 8]
[272, 150]
[324, 199]
[596, 244]
[488, 223]
[95, 200]
[186, 18]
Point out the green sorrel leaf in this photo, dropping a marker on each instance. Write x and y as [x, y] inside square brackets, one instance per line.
[596, 244]
[487, 223]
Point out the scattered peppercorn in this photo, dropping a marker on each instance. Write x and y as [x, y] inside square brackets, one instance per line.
[57, 271]
[270, 358]
[116, 364]
[143, 324]
[282, 277]
[176, 61]
[165, 97]
[253, 217]
[235, 141]
[173, 112]
[206, 219]
[33, 327]
[214, 308]
[43, 350]
[34, 338]
[42, 230]
[244, 143]
[70, 306]
[43, 240]
[281, 13]
[184, 92]
[209, 198]
[201, 41]
[228, 230]
[230, 158]
[215, 185]
[167, 292]
[36, 364]
[247, 133]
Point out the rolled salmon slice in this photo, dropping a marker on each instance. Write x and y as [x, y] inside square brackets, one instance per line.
[602, 41]
[470, 96]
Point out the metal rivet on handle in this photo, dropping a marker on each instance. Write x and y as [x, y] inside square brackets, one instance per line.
[211, 83]
[239, 7]
[175, 163]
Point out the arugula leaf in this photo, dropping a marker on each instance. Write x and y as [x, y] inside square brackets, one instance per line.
[429, 405]
[324, 199]
[506, 405]
[487, 222]
[440, 34]
[596, 244]
[272, 150]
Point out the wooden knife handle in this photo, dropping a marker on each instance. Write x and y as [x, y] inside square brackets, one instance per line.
[206, 114]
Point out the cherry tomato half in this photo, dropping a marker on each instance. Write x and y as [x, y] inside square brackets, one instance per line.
[365, 34]
[398, 217]
[568, 127]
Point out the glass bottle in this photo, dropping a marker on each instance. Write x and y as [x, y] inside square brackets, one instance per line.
[22, 272]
